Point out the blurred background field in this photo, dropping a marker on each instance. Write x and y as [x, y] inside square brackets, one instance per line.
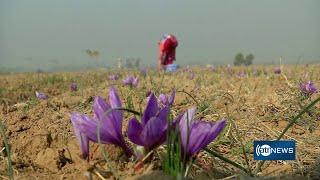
[257, 103]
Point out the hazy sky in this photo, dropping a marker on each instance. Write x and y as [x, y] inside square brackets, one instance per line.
[45, 33]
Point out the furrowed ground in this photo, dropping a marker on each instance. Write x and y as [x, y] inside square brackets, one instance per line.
[258, 105]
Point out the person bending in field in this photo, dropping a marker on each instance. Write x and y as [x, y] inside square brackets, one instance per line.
[167, 50]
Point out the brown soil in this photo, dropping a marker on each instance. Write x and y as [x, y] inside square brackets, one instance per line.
[44, 147]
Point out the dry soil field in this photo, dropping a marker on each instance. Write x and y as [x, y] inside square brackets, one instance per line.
[257, 103]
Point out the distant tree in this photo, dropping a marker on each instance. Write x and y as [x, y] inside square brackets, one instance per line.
[93, 53]
[129, 63]
[132, 63]
[39, 70]
[249, 59]
[238, 59]
[137, 63]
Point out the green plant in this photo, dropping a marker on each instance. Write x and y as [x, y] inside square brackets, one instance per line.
[172, 162]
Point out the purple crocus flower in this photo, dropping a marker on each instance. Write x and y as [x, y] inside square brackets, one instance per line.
[114, 77]
[277, 70]
[241, 74]
[308, 88]
[41, 95]
[195, 135]
[73, 87]
[131, 81]
[151, 131]
[166, 100]
[110, 124]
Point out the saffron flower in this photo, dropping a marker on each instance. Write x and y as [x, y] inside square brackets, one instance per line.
[152, 130]
[41, 95]
[131, 81]
[241, 74]
[73, 87]
[108, 122]
[114, 77]
[277, 70]
[167, 100]
[308, 88]
[195, 135]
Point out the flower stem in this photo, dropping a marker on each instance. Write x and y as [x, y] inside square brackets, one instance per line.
[194, 99]
[128, 110]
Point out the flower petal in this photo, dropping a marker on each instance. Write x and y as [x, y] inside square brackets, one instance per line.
[177, 119]
[89, 127]
[112, 128]
[164, 113]
[185, 125]
[134, 131]
[154, 132]
[83, 143]
[202, 134]
[135, 81]
[111, 123]
[115, 102]
[41, 95]
[100, 107]
[151, 109]
[171, 98]
[81, 138]
[163, 99]
[198, 137]
[114, 99]
[215, 130]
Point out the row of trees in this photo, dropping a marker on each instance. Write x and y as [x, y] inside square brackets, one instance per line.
[132, 63]
[240, 59]
[129, 63]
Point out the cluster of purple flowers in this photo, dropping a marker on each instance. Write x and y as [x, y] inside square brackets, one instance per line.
[108, 124]
[41, 95]
[167, 100]
[114, 77]
[277, 70]
[308, 88]
[73, 87]
[241, 74]
[131, 81]
[150, 132]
